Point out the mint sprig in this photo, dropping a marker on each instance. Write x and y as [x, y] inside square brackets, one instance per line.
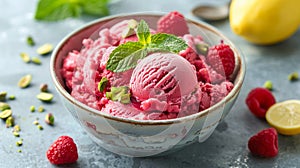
[54, 10]
[125, 56]
[143, 33]
[167, 42]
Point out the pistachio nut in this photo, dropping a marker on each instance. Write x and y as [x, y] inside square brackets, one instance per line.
[49, 119]
[202, 48]
[45, 49]
[25, 81]
[44, 87]
[36, 60]
[4, 106]
[3, 95]
[9, 122]
[45, 97]
[25, 57]
[5, 114]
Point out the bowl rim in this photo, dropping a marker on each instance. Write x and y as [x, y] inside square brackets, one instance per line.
[236, 89]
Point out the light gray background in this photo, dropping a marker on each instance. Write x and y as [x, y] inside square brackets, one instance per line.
[227, 147]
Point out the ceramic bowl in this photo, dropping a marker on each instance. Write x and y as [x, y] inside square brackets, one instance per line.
[142, 138]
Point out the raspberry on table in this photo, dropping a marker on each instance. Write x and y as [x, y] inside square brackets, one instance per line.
[259, 100]
[62, 151]
[221, 59]
[264, 143]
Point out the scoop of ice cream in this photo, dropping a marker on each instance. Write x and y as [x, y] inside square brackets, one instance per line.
[164, 76]
[173, 23]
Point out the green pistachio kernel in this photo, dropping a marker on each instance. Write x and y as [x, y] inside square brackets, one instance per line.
[12, 97]
[40, 127]
[17, 128]
[125, 98]
[9, 122]
[130, 29]
[45, 49]
[5, 114]
[3, 95]
[4, 106]
[102, 84]
[25, 81]
[45, 97]
[41, 109]
[293, 76]
[32, 108]
[36, 60]
[119, 94]
[268, 85]
[30, 41]
[25, 57]
[202, 48]
[19, 142]
[19, 150]
[49, 119]
[35, 122]
[16, 134]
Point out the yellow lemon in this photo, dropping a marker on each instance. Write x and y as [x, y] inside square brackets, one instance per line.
[264, 21]
[285, 117]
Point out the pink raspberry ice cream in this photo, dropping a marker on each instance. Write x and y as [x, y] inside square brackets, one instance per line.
[163, 85]
[161, 80]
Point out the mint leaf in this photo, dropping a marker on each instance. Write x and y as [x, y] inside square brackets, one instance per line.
[119, 94]
[131, 60]
[143, 33]
[127, 55]
[95, 7]
[118, 60]
[52, 10]
[167, 42]
[102, 84]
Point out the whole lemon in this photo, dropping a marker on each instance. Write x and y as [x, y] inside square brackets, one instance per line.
[264, 21]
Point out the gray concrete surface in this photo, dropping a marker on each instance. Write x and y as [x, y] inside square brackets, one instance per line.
[227, 147]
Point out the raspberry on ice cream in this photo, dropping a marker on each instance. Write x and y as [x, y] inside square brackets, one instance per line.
[173, 23]
[221, 59]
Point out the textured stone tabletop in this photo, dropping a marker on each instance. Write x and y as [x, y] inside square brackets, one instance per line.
[227, 147]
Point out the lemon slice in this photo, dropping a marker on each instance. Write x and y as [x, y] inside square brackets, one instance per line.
[285, 117]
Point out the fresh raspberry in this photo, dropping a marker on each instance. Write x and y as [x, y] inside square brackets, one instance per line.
[259, 100]
[173, 23]
[264, 143]
[62, 151]
[221, 59]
